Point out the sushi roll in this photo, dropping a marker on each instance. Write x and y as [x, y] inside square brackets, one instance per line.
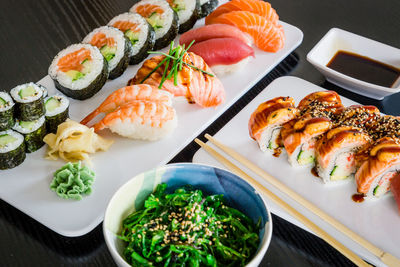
[207, 6]
[375, 174]
[335, 152]
[299, 137]
[140, 119]
[79, 71]
[33, 132]
[266, 122]
[29, 103]
[12, 149]
[6, 111]
[138, 31]
[357, 115]
[114, 46]
[56, 112]
[161, 17]
[188, 12]
[321, 104]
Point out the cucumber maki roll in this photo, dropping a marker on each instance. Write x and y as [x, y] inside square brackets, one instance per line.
[207, 6]
[114, 46]
[29, 103]
[79, 71]
[44, 89]
[188, 12]
[6, 111]
[12, 149]
[56, 112]
[33, 132]
[161, 17]
[139, 32]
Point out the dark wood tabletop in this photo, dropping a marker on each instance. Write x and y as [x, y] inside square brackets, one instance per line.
[32, 32]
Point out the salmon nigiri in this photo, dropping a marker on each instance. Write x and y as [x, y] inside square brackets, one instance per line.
[267, 35]
[259, 7]
[140, 119]
[127, 94]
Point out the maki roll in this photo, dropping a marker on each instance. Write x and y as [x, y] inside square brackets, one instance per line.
[44, 89]
[12, 149]
[188, 12]
[79, 71]
[29, 103]
[114, 47]
[161, 17]
[207, 6]
[6, 111]
[139, 32]
[56, 112]
[33, 132]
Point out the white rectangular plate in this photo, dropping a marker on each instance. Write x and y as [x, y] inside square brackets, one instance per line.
[26, 187]
[376, 220]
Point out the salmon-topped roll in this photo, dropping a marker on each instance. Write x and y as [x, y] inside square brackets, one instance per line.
[299, 137]
[321, 104]
[384, 126]
[335, 152]
[375, 174]
[266, 121]
[357, 115]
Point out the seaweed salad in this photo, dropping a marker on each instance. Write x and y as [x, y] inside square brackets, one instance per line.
[187, 228]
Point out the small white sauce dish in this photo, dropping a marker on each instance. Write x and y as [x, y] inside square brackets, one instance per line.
[336, 40]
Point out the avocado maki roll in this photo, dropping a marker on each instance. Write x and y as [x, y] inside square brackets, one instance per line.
[57, 108]
[12, 149]
[6, 111]
[139, 32]
[161, 17]
[33, 132]
[114, 46]
[207, 6]
[29, 103]
[79, 71]
[188, 12]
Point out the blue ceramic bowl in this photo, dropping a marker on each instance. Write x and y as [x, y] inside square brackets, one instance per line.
[237, 192]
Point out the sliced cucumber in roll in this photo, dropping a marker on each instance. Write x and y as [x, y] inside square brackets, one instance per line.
[207, 6]
[138, 31]
[6, 111]
[57, 108]
[12, 149]
[188, 12]
[113, 46]
[161, 17]
[79, 71]
[29, 103]
[33, 132]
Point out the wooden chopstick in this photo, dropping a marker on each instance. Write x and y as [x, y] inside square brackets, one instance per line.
[385, 257]
[312, 226]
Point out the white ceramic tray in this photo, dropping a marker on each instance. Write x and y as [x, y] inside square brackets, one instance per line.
[376, 220]
[26, 187]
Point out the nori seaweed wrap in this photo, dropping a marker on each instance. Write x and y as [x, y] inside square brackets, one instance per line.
[6, 111]
[12, 149]
[29, 103]
[57, 108]
[188, 12]
[33, 132]
[207, 7]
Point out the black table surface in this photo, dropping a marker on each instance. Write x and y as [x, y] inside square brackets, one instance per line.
[32, 32]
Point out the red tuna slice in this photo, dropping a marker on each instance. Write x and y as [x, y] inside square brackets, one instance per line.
[395, 188]
[214, 31]
[222, 51]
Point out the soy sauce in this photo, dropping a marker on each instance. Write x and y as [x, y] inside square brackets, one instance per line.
[364, 68]
[358, 198]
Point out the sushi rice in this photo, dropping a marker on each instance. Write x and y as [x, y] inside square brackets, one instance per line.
[33, 132]
[6, 111]
[12, 149]
[117, 55]
[188, 12]
[29, 103]
[57, 108]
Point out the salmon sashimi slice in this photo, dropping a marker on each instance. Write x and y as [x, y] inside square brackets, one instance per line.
[266, 35]
[128, 94]
[259, 7]
[126, 25]
[73, 61]
[140, 119]
[205, 90]
[100, 39]
[214, 31]
[146, 10]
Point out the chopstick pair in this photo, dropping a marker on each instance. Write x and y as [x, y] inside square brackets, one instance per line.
[385, 257]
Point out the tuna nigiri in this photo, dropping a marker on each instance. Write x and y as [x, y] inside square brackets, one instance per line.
[259, 7]
[214, 31]
[127, 94]
[140, 119]
[267, 35]
[223, 54]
